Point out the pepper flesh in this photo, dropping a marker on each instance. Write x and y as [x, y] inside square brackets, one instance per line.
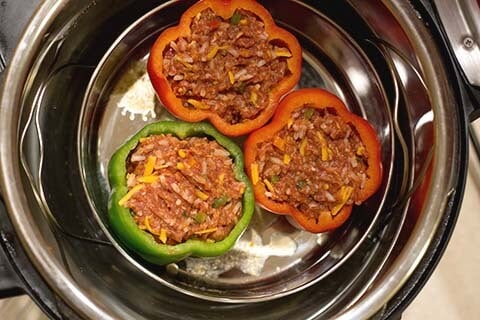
[143, 243]
[318, 99]
[226, 10]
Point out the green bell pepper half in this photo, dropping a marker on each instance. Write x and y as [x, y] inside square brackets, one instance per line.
[141, 242]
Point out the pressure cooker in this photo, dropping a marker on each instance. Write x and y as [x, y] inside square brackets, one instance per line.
[68, 69]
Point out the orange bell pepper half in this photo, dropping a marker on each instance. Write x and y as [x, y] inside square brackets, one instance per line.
[316, 99]
[192, 109]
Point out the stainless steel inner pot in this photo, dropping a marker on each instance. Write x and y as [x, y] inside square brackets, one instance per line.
[61, 119]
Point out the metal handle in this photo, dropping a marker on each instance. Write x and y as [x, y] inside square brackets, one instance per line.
[10, 284]
[459, 25]
[14, 15]
[18, 276]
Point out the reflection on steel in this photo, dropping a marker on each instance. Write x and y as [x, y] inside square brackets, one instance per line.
[34, 178]
[462, 24]
[408, 188]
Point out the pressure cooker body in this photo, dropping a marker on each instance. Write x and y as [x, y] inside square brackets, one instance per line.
[387, 59]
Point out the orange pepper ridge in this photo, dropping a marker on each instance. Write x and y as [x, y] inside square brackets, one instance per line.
[225, 9]
[316, 98]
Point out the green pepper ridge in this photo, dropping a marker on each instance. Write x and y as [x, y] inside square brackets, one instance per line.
[142, 242]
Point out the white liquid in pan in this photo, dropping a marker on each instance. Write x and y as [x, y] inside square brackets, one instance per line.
[135, 93]
[248, 255]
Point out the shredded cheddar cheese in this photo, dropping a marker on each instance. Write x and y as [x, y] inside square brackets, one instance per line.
[149, 227]
[303, 146]
[197, 104]
[326, 151]
[231, 77]
[201, 195]
[325, 154]
[269, 185]
[163, 235]
[253, 97]
[182, 153]
[282, 53]
[149, 166]
[213, 52]
[186, 64]
[360, 151]
[205, 231]
[221, 178]
[180, 165]
[321, 138]
[130, 194]
[345, 192]
[148, 179]
[254, 170]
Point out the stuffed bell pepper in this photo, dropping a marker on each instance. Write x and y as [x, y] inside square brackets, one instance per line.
[179, 189]
[226, 61]
[314, 160]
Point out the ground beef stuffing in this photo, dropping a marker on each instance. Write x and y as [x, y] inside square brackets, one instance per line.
[317, 163]
[226, 66]
[183, 189]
